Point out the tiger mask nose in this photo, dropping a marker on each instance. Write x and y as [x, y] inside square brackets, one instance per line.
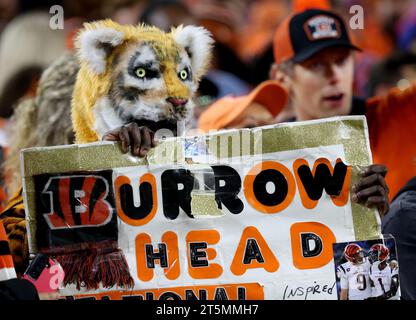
[177, 102]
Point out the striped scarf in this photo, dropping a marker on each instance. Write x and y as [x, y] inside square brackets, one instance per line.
[13, 218]
[6, 262]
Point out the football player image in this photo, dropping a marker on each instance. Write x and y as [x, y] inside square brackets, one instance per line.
[384, 274]
[354, 274]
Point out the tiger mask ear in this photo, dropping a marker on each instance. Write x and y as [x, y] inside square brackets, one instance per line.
[198, 43]
[95, 43]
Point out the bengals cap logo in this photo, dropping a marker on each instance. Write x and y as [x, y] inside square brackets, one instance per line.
[322, 27]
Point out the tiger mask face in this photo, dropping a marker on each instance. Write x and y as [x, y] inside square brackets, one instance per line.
[138, 74]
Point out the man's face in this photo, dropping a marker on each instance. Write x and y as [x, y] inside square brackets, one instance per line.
[359, 257]
[321, 86]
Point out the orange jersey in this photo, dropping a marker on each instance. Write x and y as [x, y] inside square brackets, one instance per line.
[392, 128]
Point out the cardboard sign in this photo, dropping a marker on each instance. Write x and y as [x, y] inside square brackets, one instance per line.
[242, 214]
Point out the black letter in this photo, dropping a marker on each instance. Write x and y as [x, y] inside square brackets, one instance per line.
[227, 194]
[190, 295]
[280, 183]
[315, 185]
[146, 201]
[169, 296]
[174, 198]
[306, 249]
[252, 252]
[196, 254]
[220, 294]
[151, 256]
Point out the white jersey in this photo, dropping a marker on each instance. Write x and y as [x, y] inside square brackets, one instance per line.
[381, 279]
[355, 278]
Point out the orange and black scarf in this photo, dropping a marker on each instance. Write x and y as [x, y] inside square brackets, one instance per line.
[13, 220]
[6, 262]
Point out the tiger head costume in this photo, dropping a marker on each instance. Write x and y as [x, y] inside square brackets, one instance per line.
[136, 74]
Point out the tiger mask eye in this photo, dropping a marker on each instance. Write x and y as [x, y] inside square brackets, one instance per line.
[183, 74]
[140, 72]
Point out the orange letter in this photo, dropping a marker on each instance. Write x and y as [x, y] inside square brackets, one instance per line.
[336, 182]
[253, 252]
[257, 194]
[198, 254]
[167, 255]
[305, 257]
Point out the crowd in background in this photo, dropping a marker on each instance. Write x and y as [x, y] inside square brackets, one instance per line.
[243, 54]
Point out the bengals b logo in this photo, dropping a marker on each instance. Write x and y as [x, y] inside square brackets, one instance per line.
[77, 201]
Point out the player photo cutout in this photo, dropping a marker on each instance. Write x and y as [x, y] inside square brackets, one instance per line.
[367, 270]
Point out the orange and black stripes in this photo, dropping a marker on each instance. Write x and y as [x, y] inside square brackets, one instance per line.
[13, 220]
[6, 260]
[15, 207]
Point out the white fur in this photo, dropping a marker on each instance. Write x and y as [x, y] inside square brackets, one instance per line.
[91, 44]
[153, 112]
[105, 117]
[198, 41]
[146, 55]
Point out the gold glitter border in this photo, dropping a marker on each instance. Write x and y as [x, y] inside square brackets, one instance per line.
[351, 132]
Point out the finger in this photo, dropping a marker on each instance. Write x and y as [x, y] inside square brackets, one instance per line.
[125, 139]
[366, 182]
[380, 202]
[364, 194]
[112, 135]
[374, 168]
[146, 141]
[136, 139]
[152, 137]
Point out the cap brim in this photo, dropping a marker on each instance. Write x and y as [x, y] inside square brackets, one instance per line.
[309, 52]
[271, 94]
[219, 115]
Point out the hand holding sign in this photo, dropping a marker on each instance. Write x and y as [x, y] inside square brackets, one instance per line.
[372, 188]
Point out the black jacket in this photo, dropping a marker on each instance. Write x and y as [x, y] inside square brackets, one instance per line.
[401, 223]
[17, 289]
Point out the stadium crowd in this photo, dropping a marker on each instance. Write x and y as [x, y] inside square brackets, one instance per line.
[264, 65]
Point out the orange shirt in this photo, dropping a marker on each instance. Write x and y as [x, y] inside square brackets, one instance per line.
[392, 128]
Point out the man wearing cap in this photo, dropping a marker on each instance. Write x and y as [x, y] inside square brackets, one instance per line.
[314, 60]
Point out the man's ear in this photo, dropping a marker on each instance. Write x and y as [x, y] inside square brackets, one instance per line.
[197, 42]
[276, 74]
[95, 45]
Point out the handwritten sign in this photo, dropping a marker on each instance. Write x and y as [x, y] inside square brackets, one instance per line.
[252, 219]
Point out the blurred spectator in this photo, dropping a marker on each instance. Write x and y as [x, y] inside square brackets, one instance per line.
[166, 14]
[399, 70]
[27, 46]
[401, 223]
[256, 35]
[224, 19]
[255, 39]
[38, 122]
[128, 13]
[8, 9]
[12, 288]
[406, 30]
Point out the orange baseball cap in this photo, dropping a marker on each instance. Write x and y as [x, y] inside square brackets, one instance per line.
[269, 93]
